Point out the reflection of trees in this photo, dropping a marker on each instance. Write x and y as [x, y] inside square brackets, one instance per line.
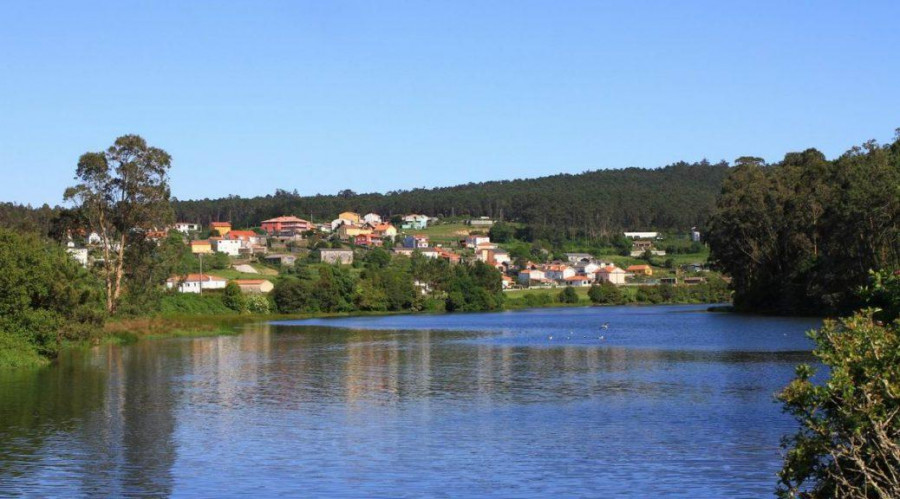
[103, 422]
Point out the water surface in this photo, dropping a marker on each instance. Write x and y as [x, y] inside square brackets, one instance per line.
[670, 400]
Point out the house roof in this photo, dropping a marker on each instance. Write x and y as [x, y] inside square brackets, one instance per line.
[196, 278]
[201, 242]
[638, 267]
[286, 218]
[383, 227]
[609, 269]
[220, 224]
[236, 234]
[577, 278]
[249, 282]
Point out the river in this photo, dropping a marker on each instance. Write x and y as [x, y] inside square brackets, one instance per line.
[603, 401]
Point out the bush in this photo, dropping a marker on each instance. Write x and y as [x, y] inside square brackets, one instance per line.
[257, 304]
[605, 293]
[233, 298]
[194, 304]
[568, 295]
[849, 441]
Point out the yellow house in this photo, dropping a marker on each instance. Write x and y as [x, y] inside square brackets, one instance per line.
[640, 269]
[351, 216]
[201, 247]
[221, 228]
[348, 231]
[385, 230]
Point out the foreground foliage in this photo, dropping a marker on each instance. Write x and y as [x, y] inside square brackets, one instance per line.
[46, 299]
[849, 441]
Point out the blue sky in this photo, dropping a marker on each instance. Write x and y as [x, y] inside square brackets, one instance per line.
[320, 96]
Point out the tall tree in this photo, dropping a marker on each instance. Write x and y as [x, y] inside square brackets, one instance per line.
[123, 192]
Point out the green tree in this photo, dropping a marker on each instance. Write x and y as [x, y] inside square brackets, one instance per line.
[849, 441]
[233, 298]
[123, 191]
[293, 296]
[45, 296]
[568, 295]
[605, 293]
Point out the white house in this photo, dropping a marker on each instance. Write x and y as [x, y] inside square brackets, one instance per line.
[79, 254]
[695, 235]
[372, 219]
[587, 268]
[192, 283]
[578, 281]
[231, 247]
[558, 272]
[611, 274]
[187, 227]
[527, 276]
[641, 235]
[475, 241]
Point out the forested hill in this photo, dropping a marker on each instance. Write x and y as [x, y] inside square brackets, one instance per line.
[591, 203]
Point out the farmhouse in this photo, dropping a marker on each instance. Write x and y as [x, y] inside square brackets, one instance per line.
[193, 283]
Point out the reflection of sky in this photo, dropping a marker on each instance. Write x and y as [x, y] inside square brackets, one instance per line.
[673, 401]
[665, 327]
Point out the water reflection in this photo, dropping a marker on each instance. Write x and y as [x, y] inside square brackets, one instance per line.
[496, 410]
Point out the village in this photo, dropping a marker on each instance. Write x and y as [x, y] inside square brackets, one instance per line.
[257, 256]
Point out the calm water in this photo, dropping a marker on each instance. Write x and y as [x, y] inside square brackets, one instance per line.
[671, 400]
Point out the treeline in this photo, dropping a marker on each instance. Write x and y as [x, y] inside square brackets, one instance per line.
[390, 284]
[589, 204]
[802, 235]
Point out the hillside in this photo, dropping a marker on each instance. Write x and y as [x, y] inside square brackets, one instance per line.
[591, 203]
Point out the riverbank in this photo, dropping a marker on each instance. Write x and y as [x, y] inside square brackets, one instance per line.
[123, 331]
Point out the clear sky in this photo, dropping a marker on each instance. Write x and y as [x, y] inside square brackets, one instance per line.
[320, 96]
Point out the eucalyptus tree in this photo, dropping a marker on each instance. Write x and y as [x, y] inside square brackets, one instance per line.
[123, 193]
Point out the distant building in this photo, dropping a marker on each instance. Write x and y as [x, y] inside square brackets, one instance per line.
[348, 231]
[80, 255]
[350, 216]
[694, 280]
[220, 228]
[695, 235]
[187, 227]
[201, 246]
[578, 257]
[558, 272]
[577, 281]
[640, 270]
[368, 241]
[231, 247]
[642, 235]
[415, 241]
[474, 241]
[372, 219]
[254, 285]
[285, 226]
[280, 259]
[385, 230]
[526, 276]
[611, 274]
[336, 256]
[481, 222]
[415, 222]
[192, 283]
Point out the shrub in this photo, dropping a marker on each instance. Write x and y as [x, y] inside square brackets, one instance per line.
[568, 295]
[849, 441]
